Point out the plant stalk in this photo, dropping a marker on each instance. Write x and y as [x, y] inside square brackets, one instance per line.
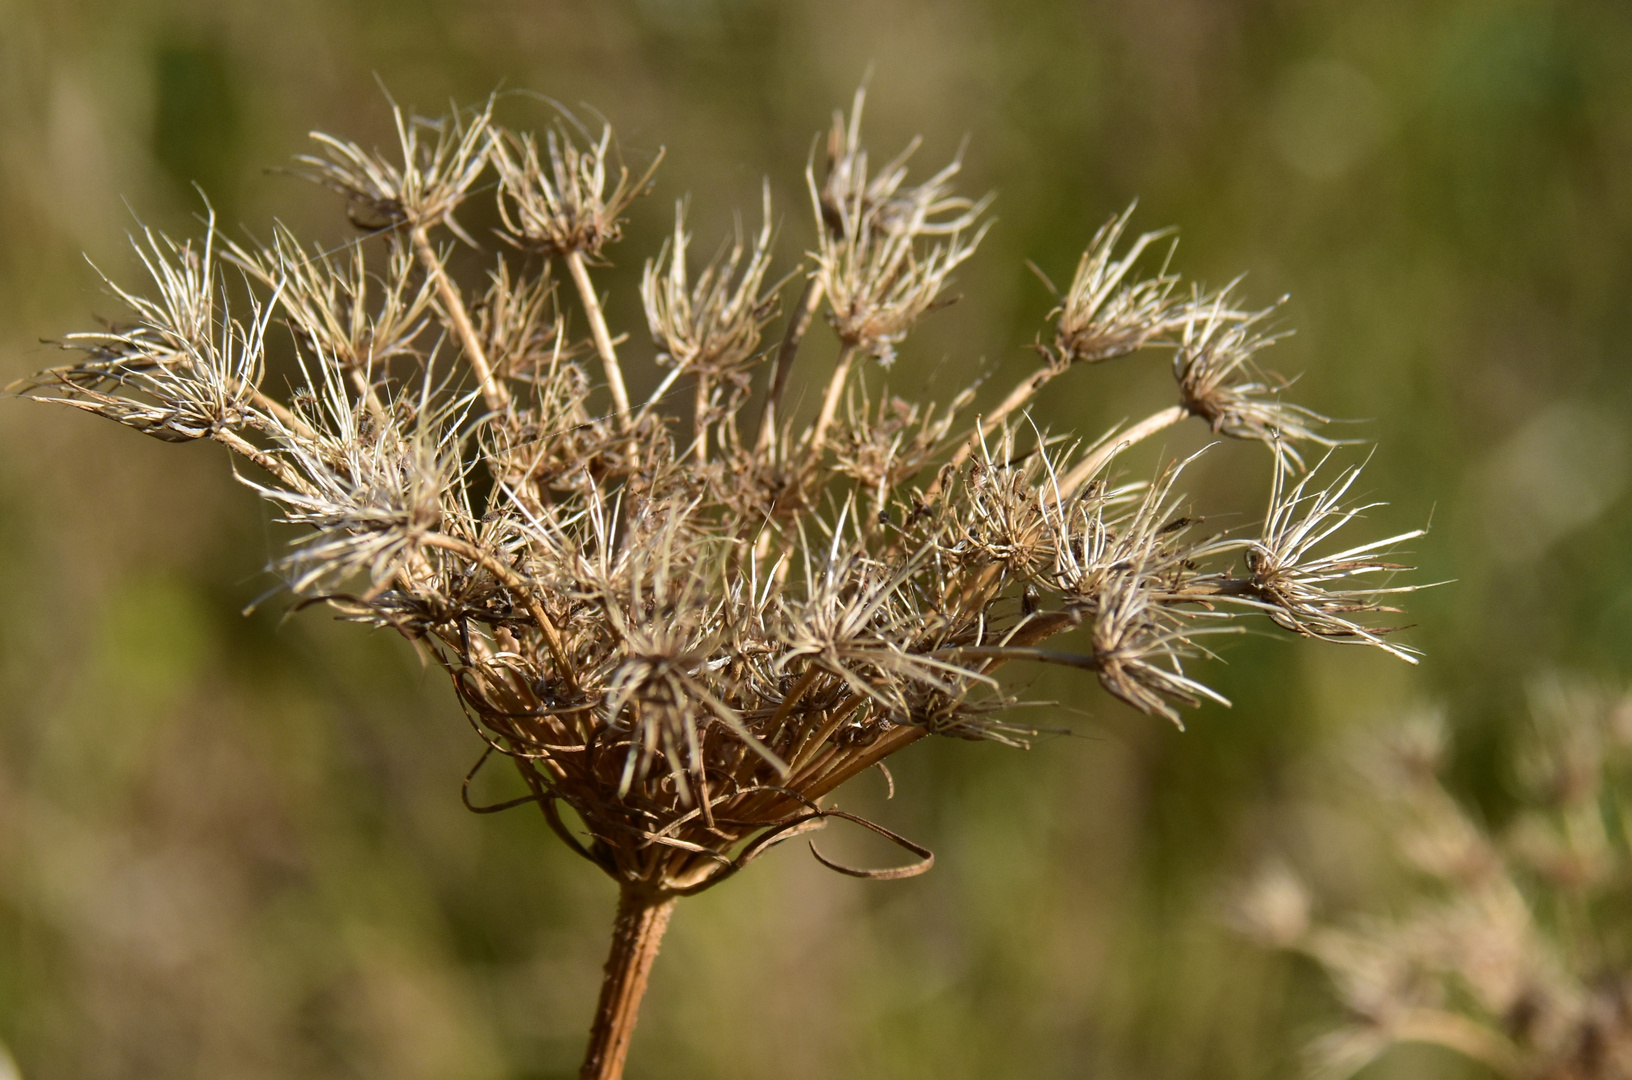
[1017, 397]
[809, 300]
[603, 336]
[643, 915]
[830, 403]
[1144, 429]
[493, 391]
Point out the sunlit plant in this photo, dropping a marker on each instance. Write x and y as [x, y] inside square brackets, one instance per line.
[1513, 951]
[687, 619]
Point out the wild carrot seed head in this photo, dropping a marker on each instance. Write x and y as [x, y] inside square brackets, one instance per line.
[688, 632]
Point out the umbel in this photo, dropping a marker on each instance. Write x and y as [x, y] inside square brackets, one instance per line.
[686, 620]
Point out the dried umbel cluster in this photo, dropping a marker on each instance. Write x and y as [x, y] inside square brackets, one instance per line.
[1517, 955]
[690, 625]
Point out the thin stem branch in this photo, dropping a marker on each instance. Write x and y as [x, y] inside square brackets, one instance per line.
[517, 584]
[830, 402]
[282, 412]
[1462, 1035]
[493, 391]
[603, 337]
[700, 416]
[1021, 394]
[250, 452]
[643, 915]
[807, 752]
[365, 391]
[1139, 432]
[887, 744]
[809, 300]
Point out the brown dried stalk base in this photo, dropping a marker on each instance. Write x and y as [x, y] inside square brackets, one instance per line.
[642, 917]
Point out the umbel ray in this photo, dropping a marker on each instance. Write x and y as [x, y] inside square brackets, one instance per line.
[691, 626]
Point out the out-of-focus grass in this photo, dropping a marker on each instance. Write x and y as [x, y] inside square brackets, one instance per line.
[233, 847]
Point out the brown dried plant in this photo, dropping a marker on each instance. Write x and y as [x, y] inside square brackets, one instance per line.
[1517, 954]
[686, 631]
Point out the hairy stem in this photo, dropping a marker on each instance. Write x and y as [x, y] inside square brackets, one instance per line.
[798, 324]
[603, 337]
[643, 915]
[493, 391]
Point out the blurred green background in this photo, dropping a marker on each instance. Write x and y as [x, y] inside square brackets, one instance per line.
[233, 847]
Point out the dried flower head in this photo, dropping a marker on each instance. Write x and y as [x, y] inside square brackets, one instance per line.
[1219, 381]
[1104, 315]
[440, 160]
[328, 303]
[879, 274]
[714, 324]
[1311, 594]
[688, 631]
[185, 369]
[849, 196]
[519, 324]
[564, 206]
[1513, 956]
[711, 329]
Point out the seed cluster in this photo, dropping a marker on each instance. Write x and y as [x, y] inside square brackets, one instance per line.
[690, 629]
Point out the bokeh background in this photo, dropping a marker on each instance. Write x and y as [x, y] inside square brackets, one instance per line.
[232, 847]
